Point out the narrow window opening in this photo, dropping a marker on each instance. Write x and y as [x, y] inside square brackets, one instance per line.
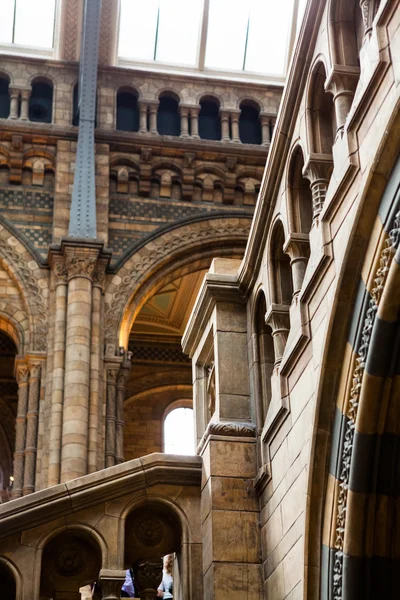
[41, 102]
[179, 432]
[127, 111]
[249, 125]
[209, 121]
[168, 119]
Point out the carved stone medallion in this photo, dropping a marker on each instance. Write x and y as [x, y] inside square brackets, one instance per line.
[150, 532]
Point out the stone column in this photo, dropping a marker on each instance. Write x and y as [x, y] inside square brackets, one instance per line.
[25, 95]
[317, 170]
[80, 262]
[184, 113]
[265, 129]
[342, 83]
[194, 122]
[57, 393]
[111, 582]
[153, 108]
[224, 115]
[122, 378]
[111, 415]
[95, 359]
[277, 317]
[298, 248]
[20, 429]
[235, 114]
[14, 97]
[143, 117]
[32, 418]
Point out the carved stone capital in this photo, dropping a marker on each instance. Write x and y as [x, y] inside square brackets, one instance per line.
[60, 272]
[99, 274]
[342, 80]
[80, 266]
[297, 246]
[277, 317]
[318, 170]
[22, 374]
[189, 158]
[148, 575]
[227, 429]
[145, 155]
[35, 370]
[111, 582]
[112, 374]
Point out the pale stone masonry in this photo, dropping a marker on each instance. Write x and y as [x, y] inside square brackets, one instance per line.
[275, 265]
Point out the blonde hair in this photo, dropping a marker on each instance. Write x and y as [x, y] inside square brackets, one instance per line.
[169, 563]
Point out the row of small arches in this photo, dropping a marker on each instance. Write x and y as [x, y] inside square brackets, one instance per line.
[128, 112]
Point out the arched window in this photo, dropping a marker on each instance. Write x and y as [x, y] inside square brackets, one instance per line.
[300, 197]
[265, 357]
[168, 119]
[209, 121]
[41, 102]
[8, 587]
[4, 98]
[282, 291]
[323, 121]
[75, 107]
[249, 124]
[127, 111]
[179, 432]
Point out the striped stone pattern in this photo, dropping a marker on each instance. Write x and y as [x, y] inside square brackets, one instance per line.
[132, 219]
[363, 488]
[31, 212]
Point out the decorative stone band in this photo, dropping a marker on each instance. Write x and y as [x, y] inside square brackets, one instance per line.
[227, 429]
[391, 245]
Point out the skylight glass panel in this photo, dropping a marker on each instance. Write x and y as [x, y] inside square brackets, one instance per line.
[300, 14]
[268, 36]
[227, 32]
[138, 29]
[178, 31]
[34, 23]
[6, 21]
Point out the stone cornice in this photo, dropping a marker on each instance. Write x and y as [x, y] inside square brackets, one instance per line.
[215, 288]
[131, 476]
[275, 165]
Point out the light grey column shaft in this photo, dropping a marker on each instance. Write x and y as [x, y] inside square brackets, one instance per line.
[194, 123]
[14, 96]
[57, 394]
[142, 117]
[32, 419]
[25, 95]
[94, 379]
[20, 431]
[111, 417]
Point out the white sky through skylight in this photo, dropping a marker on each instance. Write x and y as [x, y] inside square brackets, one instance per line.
[27, 22]
[239, 35]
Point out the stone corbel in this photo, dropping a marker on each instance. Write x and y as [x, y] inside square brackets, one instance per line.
[145, 171]
[341, 83]
[277, 317]
[297, 246]
[318, 170]
[188, 175]
[111, 582]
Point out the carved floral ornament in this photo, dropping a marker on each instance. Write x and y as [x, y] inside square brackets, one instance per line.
[149, 532]
[391, 244]
[69, 561]
[81, 266]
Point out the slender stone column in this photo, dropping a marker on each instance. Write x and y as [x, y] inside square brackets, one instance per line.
[224, 115]
[32, 418]
[235, 126]
[342, 83]
[277, 317]
[120, 423]
[25, 95]
[57, 392]
[143, 117]
[80, 262]
[111, 415]
[20, 430]
[298, 248]
[194, 122]
[14, 97]
[184, 112]
[95, 358]
[265, 130]
[153, 108]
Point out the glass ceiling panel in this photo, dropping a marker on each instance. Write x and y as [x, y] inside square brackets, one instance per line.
[34, 23]
[269, 30]
[138, 29]
[6, 21]
[227, 32]
[178, 31]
